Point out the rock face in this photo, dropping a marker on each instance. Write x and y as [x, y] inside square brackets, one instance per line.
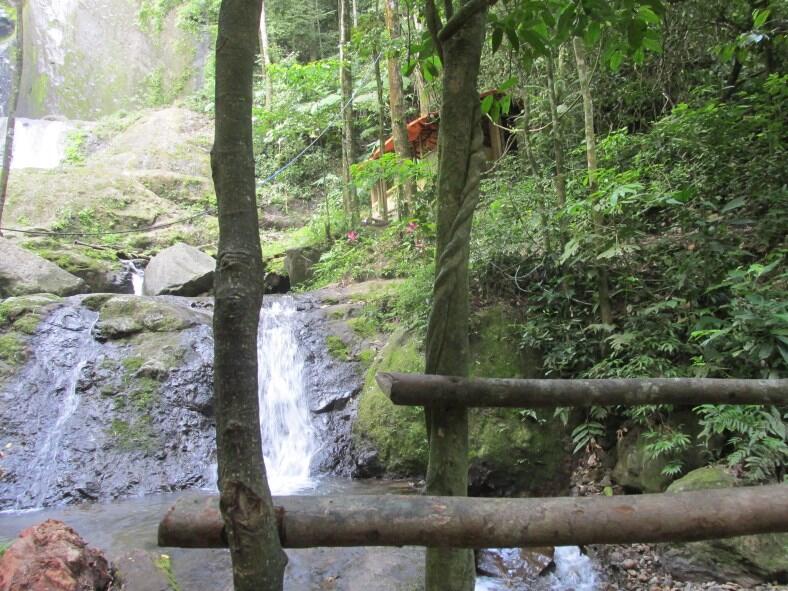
[23, 273]
[179, 270]
[52, 557]
[299, 263]
[746, 560]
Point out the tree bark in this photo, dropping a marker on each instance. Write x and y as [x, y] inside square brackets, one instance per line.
[559, 179]
[257, 556]
[603, 289]
[461, 149]
[396, 520]
[266, 51]
[426, 390]
[382, 188]
[349, 196]
[422, 92]
[399, 129]
[13, 103]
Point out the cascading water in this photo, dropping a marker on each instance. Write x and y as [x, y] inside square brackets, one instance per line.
[39, 143]
[289, 441]
[137, 277]
[62, 377]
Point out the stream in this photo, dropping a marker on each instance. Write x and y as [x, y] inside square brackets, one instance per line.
[294, 449]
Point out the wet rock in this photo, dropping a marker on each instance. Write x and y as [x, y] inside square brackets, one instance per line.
[52, 557]
[122, 316]
[704, 478]
[179, 270]
[139, 570]
[22, 273]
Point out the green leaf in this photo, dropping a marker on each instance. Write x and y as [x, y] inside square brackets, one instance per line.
[615, 60]
[508, 84]
[487, 103]
[497, 38]
[511, 35]
[759, 17]
[733, 204]
[536, 42]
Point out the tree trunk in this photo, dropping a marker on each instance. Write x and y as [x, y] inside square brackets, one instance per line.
[425, 390]
[349, 197]
[603, 290]
[558, 150]
[13, 103]
[461, 149]
[399, 129]
[422, 93]
[266, 51]
[257, 556]
[399, 520]
[528, 152]
[382, 188]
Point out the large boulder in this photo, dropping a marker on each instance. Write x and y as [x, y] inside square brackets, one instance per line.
[300, 262]
[122, 316]
[745, 560]
[23, 273]
[179, 270]
[52, 557]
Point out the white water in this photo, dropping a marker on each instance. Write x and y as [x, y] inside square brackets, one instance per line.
[137, 277]
[45, 461]
[573, 570]
[289, 441]
[39, 143]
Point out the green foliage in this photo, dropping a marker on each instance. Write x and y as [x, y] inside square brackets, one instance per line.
[756, 436]
[4, 545]
[76, 148]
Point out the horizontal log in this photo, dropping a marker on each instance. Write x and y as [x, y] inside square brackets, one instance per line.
[399, 520]
[423, 390]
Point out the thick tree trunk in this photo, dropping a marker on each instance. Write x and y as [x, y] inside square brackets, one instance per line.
[399, 129]
[461, 149]
[13, 102]
[257, 556]
[558, 149]
[266, 51]
[603, 290]
[393, 520]
[382, 188]
[425, 390]
[349, 197]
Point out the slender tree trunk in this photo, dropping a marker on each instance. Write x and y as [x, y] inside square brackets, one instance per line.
[603, 291]
[559, 179]
[534, 166]
[257, 556]
[399, 129]
[13, 103]
[350, 199]
[461, 149]
[382, 189]
[422, 92]
[266, 51]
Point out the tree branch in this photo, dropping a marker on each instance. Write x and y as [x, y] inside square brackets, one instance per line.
[456, 22]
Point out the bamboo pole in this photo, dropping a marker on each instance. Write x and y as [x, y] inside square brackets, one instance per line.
[425, 390]
[461, 522]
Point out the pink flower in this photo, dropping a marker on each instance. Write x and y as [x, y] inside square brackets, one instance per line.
[411, 227]
[352, 236]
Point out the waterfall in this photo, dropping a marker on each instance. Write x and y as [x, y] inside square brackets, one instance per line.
[61, 375]
[289, 441]
[39, 143]
[137, 277]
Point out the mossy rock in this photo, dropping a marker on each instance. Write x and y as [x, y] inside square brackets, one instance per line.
[508, 452]
[123, 316]
[19, 319]
[708, 477]
[746, 560]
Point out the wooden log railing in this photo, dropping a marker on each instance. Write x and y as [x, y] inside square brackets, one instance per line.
[462, 522]
[421, 390]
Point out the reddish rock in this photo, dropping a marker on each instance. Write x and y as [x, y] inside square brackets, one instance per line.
[52, 557]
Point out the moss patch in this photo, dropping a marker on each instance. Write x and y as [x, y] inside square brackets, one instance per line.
[19, 319]
[164, 563]
[135, 435]
[337, 348]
